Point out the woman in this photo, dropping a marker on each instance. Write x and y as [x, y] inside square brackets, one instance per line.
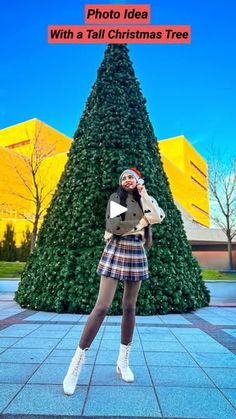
[123, 259]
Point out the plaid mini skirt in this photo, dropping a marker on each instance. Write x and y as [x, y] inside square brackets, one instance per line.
[124, 258]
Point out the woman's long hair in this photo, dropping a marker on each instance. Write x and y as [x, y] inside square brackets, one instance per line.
[123, 197]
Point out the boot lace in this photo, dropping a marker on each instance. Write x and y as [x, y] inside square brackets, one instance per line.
[127, 355]
[76, 368]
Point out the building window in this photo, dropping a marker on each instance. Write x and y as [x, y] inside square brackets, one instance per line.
[197, 168]
[200, 209]
[197, 222]
[20, 144]
[196, 181]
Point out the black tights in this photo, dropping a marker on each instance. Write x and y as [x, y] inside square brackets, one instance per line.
[104, 300]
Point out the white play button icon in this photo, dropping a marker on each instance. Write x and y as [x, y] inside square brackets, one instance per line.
[116, 209]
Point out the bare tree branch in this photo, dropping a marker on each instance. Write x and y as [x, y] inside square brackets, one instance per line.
[222, 185]
[29, 174]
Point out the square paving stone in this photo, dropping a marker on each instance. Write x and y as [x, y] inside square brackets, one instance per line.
[67, 317]
[84, 318]
[121, 401]
[70, 353]
[174, 318]
[187, 331]
[6, 342]
[111, 328]
[114, 344]
[8, 332]
[8, 391]
[193, 338]
[73, 343]
[36, 399]
[41, 316]
[113, 335]
[205, 347]
[229, 316]
[47, 334]
[23, 326]
[110, 357]
[222, 377]
[10, 312]
[58, 360]
[36, 343]
[114, 319]
[66, 355]
[156, 332]
[76, 336]
[55, 374]
[117, 335]
[26, 356]
[180, 376]
[161, 346]
[16, 373]
[161, 337]
[56, 327]
[148, 320]
[230, 394]
[206, 359]
[170, 359]
[196, 403]
[76, 333]
[80, 327]
[64, 360]
[62, 352]
[104, 374]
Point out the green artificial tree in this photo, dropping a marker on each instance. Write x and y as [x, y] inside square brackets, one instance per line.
[114, 133]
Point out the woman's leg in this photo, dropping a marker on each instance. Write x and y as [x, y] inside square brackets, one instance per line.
[131, 290]
[104, 300]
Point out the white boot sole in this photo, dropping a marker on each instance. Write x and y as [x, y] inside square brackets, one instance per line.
[68, 393]
[118, 370]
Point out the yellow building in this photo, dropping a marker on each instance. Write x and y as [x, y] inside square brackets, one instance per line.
[188, 177]
[185, 168]
[48, 150]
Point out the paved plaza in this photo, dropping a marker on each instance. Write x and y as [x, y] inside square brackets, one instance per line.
[184, 365]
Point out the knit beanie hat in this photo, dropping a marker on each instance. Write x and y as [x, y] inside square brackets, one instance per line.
[135, 173]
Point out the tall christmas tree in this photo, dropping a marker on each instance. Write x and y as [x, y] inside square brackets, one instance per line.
[114, 133]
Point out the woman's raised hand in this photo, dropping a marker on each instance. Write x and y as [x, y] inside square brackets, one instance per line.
[141, 189]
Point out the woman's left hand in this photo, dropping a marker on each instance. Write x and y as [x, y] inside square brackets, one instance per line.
[141, 189]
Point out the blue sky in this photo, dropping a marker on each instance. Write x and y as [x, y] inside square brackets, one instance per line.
[190, 89]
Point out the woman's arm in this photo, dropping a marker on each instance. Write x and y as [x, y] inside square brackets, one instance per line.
[151, 209]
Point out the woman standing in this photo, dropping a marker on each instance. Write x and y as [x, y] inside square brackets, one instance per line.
[123, 259]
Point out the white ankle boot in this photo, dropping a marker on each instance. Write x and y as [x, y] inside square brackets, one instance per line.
[122, 365]
[71, 378]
